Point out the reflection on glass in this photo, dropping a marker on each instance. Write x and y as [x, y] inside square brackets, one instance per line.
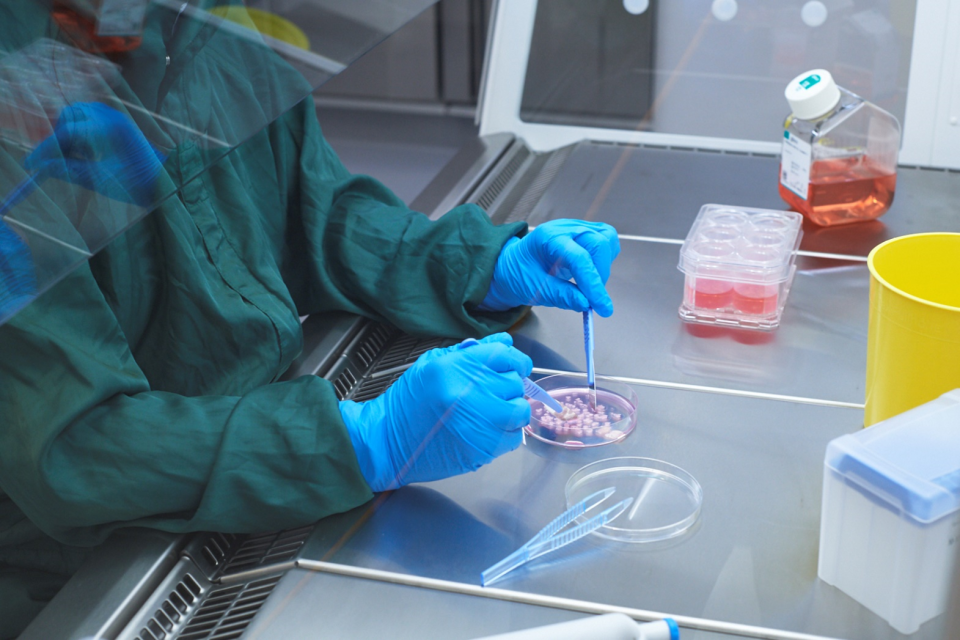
[709, 69]
[109, 108]
[589, 64]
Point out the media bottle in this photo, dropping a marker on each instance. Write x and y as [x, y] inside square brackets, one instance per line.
[839, 156]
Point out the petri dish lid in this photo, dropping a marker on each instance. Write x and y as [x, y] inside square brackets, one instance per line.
[666, 499]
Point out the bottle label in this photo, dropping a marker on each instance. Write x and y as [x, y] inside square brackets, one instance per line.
[795, 164]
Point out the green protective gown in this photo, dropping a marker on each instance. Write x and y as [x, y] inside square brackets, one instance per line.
[140, 391]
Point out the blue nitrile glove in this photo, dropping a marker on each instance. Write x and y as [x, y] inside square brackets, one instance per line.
[536, 269]
[98, 148]
[18, 282]
[453, 411]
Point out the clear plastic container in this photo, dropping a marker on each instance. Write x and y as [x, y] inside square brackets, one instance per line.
[666, 499]
[839, 155]
[890, 519]
[739, 265]
[580, 426]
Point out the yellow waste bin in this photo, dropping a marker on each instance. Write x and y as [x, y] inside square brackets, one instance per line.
[913, 344]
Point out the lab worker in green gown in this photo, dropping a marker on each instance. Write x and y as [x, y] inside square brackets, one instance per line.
[140, 390]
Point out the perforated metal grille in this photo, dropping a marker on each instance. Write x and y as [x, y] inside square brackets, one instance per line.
[373, 387]
[228, 610]
[495, 188]
[406, 350]
[381, 352]
[172, 610]
[269, 548]
[400, 355]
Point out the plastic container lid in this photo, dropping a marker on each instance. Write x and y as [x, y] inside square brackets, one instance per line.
[812, 94]
[910, 461]
[666, 499]
[741, 244]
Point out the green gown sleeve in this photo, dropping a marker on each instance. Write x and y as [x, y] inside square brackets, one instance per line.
[87, 446]
[356, 247]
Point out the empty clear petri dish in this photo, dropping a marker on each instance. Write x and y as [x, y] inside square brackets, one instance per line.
[666, 499]
[580, 425]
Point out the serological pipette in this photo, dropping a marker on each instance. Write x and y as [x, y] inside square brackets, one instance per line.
[588, 347]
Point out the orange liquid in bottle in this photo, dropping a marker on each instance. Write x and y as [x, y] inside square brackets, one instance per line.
[844, 190]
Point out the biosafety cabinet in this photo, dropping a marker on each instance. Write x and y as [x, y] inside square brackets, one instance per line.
[631, 112]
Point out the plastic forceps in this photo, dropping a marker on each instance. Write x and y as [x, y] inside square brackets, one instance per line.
[530, 388]
[553, 536]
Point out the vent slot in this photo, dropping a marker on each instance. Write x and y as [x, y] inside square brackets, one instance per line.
[172, 610]
[227, 612]
[373, 344]
[218, 546]
[344, 383]
[495, 188]
[267, 549]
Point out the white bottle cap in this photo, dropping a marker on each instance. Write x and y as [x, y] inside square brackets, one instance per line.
[812, 94]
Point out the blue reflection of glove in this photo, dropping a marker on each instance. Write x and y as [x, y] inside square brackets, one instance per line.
[537, 269]
[17, 280]
[453, 411]
[100, 149]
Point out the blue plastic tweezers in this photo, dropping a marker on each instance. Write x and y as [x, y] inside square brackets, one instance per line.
[553, 536]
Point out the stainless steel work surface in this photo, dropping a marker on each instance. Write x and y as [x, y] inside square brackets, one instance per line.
[818, 352]
[658, 192]
[751, 559]
[309, 605]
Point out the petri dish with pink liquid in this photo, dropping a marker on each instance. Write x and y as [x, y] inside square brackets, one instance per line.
[580, 424]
